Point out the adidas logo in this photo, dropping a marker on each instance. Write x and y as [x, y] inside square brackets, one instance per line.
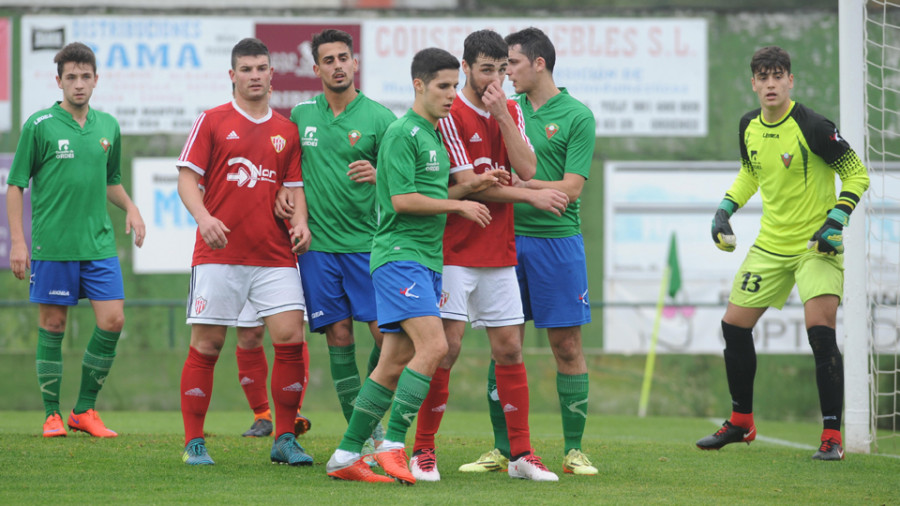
[295, 387]
[509, 408]
[195, 392]
[246, 381]
[232, 136]
[475, 138]
[439, 409]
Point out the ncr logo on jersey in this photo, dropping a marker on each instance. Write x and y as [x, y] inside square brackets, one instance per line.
[309, 137]
[248, 174]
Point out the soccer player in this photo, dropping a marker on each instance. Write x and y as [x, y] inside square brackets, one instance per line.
[72, 154]
[552, 269]
[406, 262]
[341, 132]
[244, 152]
[484, 131]
[790, 154]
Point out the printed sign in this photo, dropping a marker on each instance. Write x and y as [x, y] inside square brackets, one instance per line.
[171, 229]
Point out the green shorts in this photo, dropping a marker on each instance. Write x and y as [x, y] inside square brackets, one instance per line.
[766, 280]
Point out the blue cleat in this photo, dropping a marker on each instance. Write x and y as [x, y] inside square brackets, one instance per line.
[195, 453]
[286, 450]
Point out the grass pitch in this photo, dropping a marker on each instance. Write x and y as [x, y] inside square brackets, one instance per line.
[641, 461]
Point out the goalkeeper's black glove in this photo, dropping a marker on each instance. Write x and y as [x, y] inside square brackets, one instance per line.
[829, 240]
[722, 234]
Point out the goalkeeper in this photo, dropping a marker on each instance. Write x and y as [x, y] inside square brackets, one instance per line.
[790, 154]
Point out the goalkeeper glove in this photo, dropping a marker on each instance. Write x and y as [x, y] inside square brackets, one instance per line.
[722, 234]
[829, 240]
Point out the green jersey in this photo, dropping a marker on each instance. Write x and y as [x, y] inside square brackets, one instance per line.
[341, 211]
[70, 167]
[412, 159]
[792, 163]
[562, 132]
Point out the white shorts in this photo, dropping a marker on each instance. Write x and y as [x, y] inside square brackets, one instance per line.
[220, 292]
[485, 296]
[247, 318]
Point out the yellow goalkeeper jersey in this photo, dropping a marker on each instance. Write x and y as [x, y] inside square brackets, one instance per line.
[792, 163]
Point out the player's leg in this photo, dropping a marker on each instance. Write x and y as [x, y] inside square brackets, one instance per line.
[253, 370]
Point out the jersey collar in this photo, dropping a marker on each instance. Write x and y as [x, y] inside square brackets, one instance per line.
[243, 113]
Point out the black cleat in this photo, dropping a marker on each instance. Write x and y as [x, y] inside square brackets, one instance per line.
[830, 449]
[260, 428]
[727, 434]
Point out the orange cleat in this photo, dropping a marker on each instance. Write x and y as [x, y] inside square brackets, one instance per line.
[53, 427]
[89, 422]
[356, 471]
[396, 464]
[301, 424]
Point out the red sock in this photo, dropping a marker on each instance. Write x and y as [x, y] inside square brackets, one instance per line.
[432, 410]
[744, 420]
[253, 369]
[287, 385]
[305, 374]
[196, 390]
[832, 434]
[512, 387]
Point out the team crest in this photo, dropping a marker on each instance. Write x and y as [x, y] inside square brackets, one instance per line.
[354, 136]
[551, 129]
[278, 142]
[786, 159]
[104, 143]
[444, 297]
[199, 305]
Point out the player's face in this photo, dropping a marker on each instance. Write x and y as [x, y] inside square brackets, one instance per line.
[77, 83]
[437, 96]
[521, 71]
[483, 72]
[773, 87]
[252, 77]
[336, 66]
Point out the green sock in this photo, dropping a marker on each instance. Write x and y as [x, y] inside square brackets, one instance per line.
[371, 404]
[412, 387]
[98, 359]
[373, 358]
[345, 376]
[49, 368]
[573, 402]
[498, 419]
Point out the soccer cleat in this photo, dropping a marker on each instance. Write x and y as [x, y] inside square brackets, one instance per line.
[195, 453]
[830, 449]
[53, 427]
[378, 435]
[728, 433]
[487, 462]
[530, 467]
[395, 462]
[89, 422]
[357, 470]
[368, 449]
[424, 466]
[578, 464]
[260, 428]
[286, 450]
[301, 424]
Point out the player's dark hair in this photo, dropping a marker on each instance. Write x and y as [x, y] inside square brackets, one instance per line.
[428, 62]
[74, 52]
[534, 44]
[248, 47]
[770, 58]
[487, 43]
[328, 36]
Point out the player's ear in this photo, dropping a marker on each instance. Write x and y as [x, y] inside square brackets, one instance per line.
[419, 85]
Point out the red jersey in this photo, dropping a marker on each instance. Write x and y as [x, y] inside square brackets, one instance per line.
[474, 141]
[243, 162]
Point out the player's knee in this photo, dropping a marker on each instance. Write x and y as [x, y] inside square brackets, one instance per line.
[57, 325]
[112, 322]
[567, 350]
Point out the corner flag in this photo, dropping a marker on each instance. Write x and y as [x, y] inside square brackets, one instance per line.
[674, 268]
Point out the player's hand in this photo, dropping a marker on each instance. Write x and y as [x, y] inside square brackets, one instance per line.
[829, 240]
[133, 221]
[284, 206]
[550, 200]
[475, 211]
[722, 234]
[213, 232]
[494, 100]
[517, 181]
[301, 239]
[362, 171]
[18, 259]
[487, 179]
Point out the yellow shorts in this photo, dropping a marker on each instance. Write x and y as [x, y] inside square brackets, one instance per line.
[766, 279]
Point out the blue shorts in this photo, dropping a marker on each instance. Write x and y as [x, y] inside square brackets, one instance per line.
[552, 277]
[337, 286]
[405, 290]
[63, 283]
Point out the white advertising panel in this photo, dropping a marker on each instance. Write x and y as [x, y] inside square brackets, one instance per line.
[625, 70]
[5, 74]
[156, 74]
[171, 229]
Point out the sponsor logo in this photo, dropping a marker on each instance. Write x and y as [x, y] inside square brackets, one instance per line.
[309, 137]
[475, 138]
[439, 409]
[233, 136]
[248, 174]
[195, 392]
[278, 143]
[317, 314]
[509, 408]
[38, 120]
[104, 143]
[293, 387]
[584, 298]
[414, 131]
[408, 292]
[59, 293]
[354, 136]
[768, 135]
[63, 150]
[199, 305]
[246, 381]
[445, 296]
[574, 408]
[551, 130]
[433, 165]
[786, 159]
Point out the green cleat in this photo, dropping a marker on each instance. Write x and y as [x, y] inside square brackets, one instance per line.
[195, 453]
[577, 463]
[286, 450]
[487, 462]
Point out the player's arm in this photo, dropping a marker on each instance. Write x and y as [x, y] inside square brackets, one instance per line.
[18, 251]
[471, 183]
[119, 197]
[416, 203]
[213, 231]
[545, 199]
[521, 153]
[743, 187]
[571, 185]
[300, 235]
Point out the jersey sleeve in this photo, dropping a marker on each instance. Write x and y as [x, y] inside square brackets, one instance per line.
[26, 158]
[455, 144]
[398, 163]
[836, 152]
[519, 118]
[580, 150]
[114, 161]
[746, 183]
[294, 174]
[196, 152]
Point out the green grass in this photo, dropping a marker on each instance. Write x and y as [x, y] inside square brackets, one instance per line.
[650, 460]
